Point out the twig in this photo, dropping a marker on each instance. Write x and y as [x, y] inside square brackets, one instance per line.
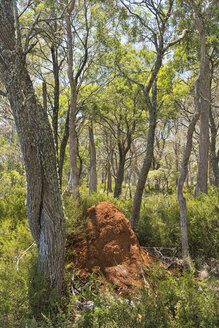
[21, 255]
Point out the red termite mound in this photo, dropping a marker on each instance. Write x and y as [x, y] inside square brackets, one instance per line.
[112, 247]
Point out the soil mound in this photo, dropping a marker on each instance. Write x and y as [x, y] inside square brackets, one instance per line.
[111, 247]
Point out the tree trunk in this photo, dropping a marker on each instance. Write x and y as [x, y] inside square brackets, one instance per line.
[73, 106]
[119, 178]
[109, 178]
[148, 158]
[144, 171]
[93, 165]
[202, 177]
[202, 103]
[73, 148]
[120, 172]
[44, 207]
[56, 96]
[213, 154]
[44, 88]
[181, 199]
[63, 146]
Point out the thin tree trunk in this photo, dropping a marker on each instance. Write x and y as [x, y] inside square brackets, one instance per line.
[73, 148]
[148, 158]
[202, 103]
[93, 165]
[124, 147]
[44, 88]
[119, 178]
[144, 171]
[109, 178]
[63, 146]
[73, 105]
[181, 199]
[120, 172]
[214, 156]
[56, 96]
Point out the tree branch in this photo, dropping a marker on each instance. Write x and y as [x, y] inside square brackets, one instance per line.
[173, 42]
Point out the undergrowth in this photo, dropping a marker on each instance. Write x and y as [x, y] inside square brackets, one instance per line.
[169, 301]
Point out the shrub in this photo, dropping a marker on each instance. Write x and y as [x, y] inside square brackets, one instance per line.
[14, 273]
[166, 302]
[12, 204]
[160, 223]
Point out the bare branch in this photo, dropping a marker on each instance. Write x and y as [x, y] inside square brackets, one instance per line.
[29, 35]
[173, 42]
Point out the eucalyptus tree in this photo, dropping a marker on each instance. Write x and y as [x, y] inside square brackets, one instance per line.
[42, 23]
[213, 110]
[44, 207]
[202, 93]
[120, 110]
[151, 26]
[202, 103]
[85, 47]
[201, 50]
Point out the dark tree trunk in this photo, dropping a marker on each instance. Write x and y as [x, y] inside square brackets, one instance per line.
[93, 165]
[121, 168]
[44, 207]
[109, 178]
[119, 177]
[44, 88]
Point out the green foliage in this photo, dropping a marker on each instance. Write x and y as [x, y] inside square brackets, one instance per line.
[160, 220]
[17, 253]
[165, 302]
[160, 223]
[12, 204]
[203, 227]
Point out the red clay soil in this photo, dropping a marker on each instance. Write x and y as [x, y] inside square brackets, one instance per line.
[111, 247]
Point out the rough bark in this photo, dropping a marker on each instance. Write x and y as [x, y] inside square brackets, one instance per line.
[93, 165]
[44, 207]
